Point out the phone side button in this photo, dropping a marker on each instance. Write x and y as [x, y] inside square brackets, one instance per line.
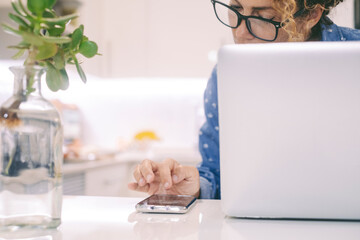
[173, 209]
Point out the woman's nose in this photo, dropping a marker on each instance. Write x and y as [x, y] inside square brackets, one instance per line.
[242, 33]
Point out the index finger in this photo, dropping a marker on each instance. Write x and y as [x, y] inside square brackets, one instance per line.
[165, 169]
[181, 173]
[147, 169]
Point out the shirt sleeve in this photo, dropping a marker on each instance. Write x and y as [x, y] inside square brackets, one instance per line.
[209, 168]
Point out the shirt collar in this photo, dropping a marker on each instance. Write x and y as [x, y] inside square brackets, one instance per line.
[330, 31]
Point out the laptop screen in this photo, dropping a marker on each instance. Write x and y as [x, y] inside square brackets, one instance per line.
[289, 117]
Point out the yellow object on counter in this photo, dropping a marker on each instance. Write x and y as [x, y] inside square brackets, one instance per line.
[146, 135]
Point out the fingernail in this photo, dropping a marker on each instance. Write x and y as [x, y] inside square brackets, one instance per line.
[148, 178]
[166, 185]
[141, 182]
[175, 178]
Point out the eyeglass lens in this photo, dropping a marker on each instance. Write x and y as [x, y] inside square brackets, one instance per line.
[257, 27]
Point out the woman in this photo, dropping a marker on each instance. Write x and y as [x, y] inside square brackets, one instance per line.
[251, 21]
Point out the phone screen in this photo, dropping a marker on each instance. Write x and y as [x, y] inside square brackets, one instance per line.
[166, 203]
[169, 200]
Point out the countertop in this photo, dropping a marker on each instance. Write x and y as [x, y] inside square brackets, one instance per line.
[182, 155]
[115, 218]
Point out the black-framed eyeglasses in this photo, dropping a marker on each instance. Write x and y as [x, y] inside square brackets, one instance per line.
[261, 28]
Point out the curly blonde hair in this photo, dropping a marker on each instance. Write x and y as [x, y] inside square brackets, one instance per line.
[287, 8]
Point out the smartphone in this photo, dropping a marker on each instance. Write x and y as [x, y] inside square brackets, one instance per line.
[166, 203]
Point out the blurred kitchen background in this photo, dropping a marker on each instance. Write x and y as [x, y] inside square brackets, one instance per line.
[143, 98]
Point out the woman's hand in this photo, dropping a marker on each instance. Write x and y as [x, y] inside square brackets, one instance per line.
[167, 177]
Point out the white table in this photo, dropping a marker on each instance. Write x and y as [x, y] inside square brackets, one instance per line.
[107, 218]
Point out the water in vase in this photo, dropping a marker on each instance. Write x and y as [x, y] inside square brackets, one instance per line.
[30, 168]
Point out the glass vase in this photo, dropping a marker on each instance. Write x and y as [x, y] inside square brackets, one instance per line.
[30, 156]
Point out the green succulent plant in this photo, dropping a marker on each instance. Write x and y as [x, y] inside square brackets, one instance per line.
[44, 40]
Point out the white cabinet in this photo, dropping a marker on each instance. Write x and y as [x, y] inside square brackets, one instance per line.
[106, 181]
[152, 38]
[74, 183]
[101, 180]
[161, 38]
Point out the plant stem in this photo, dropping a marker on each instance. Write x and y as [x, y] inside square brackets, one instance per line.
[8, 166]
[31, 59]
[29, 64]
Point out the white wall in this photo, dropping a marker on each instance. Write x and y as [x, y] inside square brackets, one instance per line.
[157, 38]
[162, 38]
[117, 109]
[343, 14]
[5, 38]
[140, 40]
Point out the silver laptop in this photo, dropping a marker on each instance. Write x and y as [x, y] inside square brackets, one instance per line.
[289, 116]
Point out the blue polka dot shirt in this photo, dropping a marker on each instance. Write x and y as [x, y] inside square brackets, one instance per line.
[209, 169]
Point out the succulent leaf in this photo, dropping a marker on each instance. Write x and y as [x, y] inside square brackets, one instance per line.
[37, 6]
[53, 78]
[88, 49]
[42, 33]
[76, 38]
[80, 70]
[46, 51]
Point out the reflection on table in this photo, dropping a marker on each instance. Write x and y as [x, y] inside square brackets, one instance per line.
[115, 218]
